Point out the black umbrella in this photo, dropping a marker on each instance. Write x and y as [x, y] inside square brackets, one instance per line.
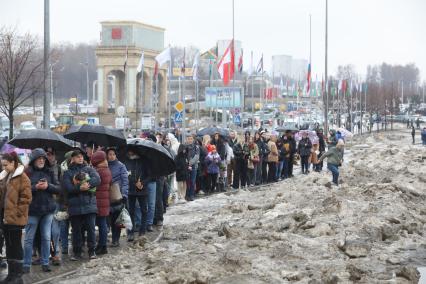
[41, 138]
[99, 134]
[160, 161]
[212, 131]
[285, 128]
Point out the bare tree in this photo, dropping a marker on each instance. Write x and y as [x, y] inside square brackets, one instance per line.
[21, 69]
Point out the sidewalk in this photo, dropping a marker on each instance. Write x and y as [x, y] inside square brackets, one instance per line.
[69, 267]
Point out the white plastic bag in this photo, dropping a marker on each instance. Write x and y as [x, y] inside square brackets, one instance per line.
[124, 220]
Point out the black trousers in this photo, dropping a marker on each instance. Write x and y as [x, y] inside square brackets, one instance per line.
[265, 170]
[305, 163]
[290, 166]
[13, 238]
[240, 173]
[211, 183]
[78, 224]
[272, 171]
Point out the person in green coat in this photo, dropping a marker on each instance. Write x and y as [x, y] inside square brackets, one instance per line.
[334, 159]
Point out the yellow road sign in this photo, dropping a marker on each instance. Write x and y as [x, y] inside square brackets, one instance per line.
[179, 106]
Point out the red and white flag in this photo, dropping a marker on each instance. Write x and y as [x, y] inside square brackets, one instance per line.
[226, 64]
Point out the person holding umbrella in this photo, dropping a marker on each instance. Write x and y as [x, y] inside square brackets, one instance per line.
[82, 206]
[15, 198]
[193, 152]
[142, 188]
[44, 185]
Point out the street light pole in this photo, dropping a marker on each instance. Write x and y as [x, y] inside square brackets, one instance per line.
[326, 74]
[46, 98]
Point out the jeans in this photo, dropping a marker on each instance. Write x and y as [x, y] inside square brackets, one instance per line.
[78, 222]
[280, 167]
[56, 233]
[13, 237]
[305, 164]
[65, 228]
[191, 184]
[151, 202]
[45, 223]
[101, 222]
[159, 205]
[143, 208]
[335, 172]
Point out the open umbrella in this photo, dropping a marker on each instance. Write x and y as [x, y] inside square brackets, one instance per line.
[41, 138]
[284, 128]
[160, 161]
[101, 135]
[212, 131]
[312, 135]
[345, 133]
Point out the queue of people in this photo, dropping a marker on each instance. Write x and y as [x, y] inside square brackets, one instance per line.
[92, 188]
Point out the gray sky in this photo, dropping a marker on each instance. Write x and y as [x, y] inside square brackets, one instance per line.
[361, 32]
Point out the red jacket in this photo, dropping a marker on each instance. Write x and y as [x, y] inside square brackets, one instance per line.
[102, 190]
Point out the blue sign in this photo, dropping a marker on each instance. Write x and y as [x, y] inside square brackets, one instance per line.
[178, 117]
[224, 97]
[237, 119]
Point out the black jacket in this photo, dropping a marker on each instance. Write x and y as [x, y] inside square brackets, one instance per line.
[305, 146]
[181, 162]
[138, 169]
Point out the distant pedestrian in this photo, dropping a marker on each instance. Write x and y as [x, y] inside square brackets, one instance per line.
[424, 136]
[413, 133]
[418, 123]
[334, 160]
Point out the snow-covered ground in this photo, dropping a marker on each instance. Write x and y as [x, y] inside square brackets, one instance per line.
[371, 230]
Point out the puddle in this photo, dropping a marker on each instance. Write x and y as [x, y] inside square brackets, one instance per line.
[422, 271]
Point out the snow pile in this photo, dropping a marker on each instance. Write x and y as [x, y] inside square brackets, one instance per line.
[370, 230]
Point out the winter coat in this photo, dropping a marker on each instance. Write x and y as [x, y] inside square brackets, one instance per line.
[220, 148]
[263, 149]
[138, 169]
[254, 153]
[120, 175]
[321, 143]
[193, 152]
[305, 146]
[181, 162]
[314, 156]
[273, 155]
[423, 135]
[241, 151]
[15, 197]
[102, 190]
[80, 202]
[43, 202]
[334, 156]
[213, 161]
[285, 150]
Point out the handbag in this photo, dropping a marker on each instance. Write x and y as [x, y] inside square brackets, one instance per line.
[115, 193]
[255, 159]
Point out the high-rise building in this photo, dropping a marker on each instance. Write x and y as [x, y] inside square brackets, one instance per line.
[286, 65]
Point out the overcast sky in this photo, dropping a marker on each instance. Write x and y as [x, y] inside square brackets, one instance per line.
[361, 32]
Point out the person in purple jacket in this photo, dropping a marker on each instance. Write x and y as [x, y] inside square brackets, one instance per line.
[212, 161]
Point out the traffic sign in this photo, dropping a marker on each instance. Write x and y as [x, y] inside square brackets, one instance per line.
[179, 106]
[237, 119]
[178, 117]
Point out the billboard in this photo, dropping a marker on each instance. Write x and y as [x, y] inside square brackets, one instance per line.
[178, 72]
[224, 97]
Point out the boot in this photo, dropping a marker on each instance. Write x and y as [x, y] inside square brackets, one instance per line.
[19, 272]
[10, 272]
[15, 273]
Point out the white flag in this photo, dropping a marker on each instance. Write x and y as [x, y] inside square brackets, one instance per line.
[281, 84]
[141, 63]
[195, 67]
[163, 57]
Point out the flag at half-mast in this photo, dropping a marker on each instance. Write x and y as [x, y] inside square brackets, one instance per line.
[161, 59]
[259, 68]
[240, 62]
[226, 66]
[125, 59]
[141, 63]
[308, 78]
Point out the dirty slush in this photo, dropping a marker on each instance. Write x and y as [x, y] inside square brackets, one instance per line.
[371, 230]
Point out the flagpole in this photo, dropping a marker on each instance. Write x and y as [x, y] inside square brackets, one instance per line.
[233, 54]
[326, 74]
[169, 100]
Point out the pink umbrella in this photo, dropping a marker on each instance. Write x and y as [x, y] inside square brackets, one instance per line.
[312, 135]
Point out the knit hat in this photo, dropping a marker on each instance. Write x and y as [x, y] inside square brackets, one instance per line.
[97, 158]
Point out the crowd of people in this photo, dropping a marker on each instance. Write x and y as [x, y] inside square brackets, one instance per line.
[92, 187]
